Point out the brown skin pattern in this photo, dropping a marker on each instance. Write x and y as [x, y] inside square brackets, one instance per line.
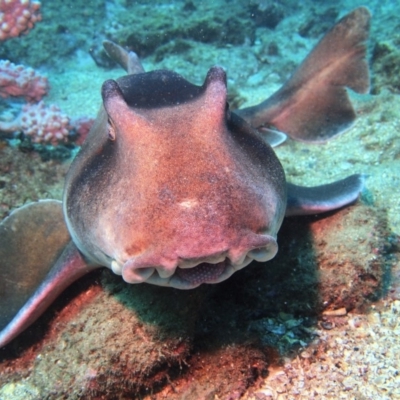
[216, 187]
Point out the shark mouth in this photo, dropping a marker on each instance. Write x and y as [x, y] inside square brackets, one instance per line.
[202, 273]
[180, 273]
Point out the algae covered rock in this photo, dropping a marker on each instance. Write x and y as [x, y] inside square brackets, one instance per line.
[201, 22]
[104, 337]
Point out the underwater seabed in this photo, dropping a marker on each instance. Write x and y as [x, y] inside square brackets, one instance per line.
[319, 321]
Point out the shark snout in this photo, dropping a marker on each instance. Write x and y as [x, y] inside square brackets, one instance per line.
[188, 271]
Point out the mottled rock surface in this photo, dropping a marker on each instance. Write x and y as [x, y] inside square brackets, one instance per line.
[104, 337]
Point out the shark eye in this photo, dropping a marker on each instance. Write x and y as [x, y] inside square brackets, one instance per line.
[111, 130]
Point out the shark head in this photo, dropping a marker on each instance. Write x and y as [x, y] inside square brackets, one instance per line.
[173, 188]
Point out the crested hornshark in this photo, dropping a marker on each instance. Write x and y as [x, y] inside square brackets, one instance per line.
[173, 188]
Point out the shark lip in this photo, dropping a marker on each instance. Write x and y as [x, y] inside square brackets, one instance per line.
[188, 273]
[202, 273]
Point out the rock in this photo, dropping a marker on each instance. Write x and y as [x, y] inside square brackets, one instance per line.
[104, 337]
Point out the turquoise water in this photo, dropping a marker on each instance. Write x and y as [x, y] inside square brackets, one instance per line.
[318, 321]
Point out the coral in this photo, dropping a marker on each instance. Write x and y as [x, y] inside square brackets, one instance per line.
[17, 17]
[40, 123]
[62, 32]
[17, 80]
[44, 124]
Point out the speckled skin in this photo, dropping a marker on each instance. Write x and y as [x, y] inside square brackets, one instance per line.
[217, 189]
[172, 188]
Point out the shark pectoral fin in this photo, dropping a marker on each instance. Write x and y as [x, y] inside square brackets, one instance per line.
[69, 267]
[33, 239]
[128, 60]
[313, 105]
[319, 199]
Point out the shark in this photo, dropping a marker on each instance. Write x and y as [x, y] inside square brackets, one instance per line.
[173, 188]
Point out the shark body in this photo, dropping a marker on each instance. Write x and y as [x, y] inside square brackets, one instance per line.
[173, 188]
